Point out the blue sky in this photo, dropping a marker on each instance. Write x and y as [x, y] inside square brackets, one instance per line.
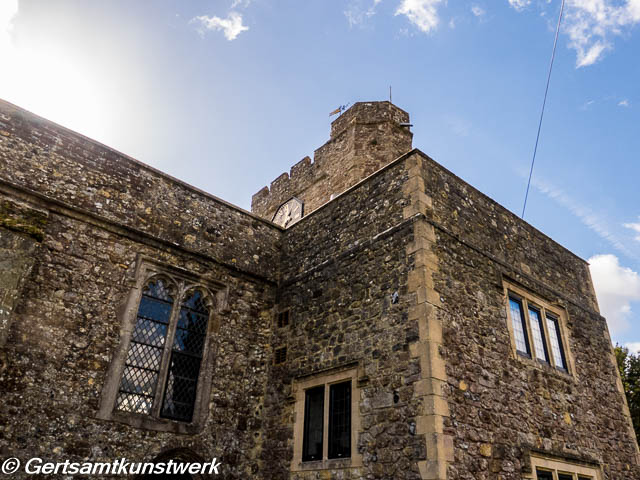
[227, 95]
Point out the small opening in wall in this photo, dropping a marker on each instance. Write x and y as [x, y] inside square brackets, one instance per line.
[283, 319]
[280, 355]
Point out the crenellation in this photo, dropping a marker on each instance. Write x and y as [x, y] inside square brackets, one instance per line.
[363, 139]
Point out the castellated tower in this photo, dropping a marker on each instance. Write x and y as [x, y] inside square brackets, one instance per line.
[363, 139]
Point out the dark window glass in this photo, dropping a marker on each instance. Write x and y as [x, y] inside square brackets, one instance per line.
[584, 478]
[313, 424]
[565, 476]
[340, 420]
[186, 357]
[280, 355]
[544, 475]
[142, 366]
[283, 319]
[519, 327]
[537, 332]
[556, 342]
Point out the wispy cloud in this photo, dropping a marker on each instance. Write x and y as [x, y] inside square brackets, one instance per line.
[240, 3]
[519, 4]
[592, 220]
[592, 24]
[478, 11]
[636, 228]
[359, 11]
[623, 103]
[617, 287]
[422, 13]
[231, 26]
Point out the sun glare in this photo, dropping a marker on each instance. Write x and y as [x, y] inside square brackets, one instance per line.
[49, 83]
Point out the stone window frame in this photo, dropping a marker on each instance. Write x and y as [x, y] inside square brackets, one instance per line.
[527, 299]
[326, 379]
[575, 469]
[215, 295]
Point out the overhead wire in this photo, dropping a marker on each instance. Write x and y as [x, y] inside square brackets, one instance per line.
[544, 102]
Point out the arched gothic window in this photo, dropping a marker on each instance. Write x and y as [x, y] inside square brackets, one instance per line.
[165, 353]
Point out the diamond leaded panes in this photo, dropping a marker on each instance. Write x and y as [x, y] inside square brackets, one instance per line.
[186, 357]
[142, 365]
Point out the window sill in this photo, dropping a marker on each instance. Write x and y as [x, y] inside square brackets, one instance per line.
[146, 422]
[545, 366]
[327, 464]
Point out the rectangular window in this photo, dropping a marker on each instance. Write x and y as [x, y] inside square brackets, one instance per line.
[280, 355]
[327, 421]
[537, 332]
[536, 328]
[340, 420]
[556, 342]
[549, 468]
[313, 424]
[519, 327]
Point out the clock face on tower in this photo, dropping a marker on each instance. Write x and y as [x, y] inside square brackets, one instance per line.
[288, 213]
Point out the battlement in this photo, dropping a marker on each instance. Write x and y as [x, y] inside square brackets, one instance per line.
[365, 138]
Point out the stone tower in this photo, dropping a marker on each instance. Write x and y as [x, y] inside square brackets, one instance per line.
[363, 139]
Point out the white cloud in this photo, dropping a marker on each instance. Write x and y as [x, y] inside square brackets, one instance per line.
[422, 13]
[623, 103]
[477, 11]
[633, 347]
[591, 24]
[231, 26]
[589, 218]
[616, 288]
[519, 4]
[635, 227]
[240, 3]
[357, 13]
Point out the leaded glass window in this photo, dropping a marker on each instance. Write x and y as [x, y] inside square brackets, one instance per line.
[340, 420]
[519, 326]
[537, 332]
[556, 342]
[535, 326]
[313, 424]
[186, 356]
[166, 350]
[544, 475]
[142, 366]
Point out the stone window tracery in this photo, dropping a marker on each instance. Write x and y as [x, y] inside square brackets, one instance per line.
[165, 353]
[157, 377]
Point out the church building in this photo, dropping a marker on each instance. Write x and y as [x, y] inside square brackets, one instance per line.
[373, 317]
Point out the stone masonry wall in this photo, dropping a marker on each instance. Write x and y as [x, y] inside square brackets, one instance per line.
[501, 408]
[42, 157]
[363, 139]
[340, 269]
[77, 218]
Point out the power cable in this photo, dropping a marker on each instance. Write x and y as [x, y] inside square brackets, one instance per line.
[544, 102]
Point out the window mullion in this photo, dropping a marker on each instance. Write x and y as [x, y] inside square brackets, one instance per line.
[325, 423]
[527, 325]
[166, 355]
[547, 338]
